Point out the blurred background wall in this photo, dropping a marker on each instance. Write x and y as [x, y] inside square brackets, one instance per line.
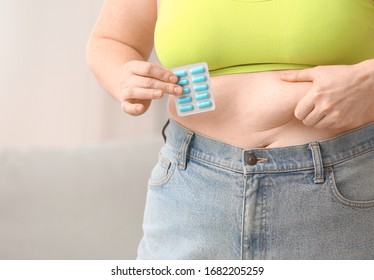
[73, 167]
[48, 96]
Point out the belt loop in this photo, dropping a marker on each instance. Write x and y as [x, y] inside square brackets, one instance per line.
[318, 164]
[182, 158]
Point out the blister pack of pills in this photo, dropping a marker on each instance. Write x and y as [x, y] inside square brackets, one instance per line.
[197, 94]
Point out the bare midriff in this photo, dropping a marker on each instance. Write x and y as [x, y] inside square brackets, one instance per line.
[256, 110]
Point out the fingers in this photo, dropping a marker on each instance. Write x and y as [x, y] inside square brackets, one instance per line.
[308, 108]
[305, 106]
[145, 87]
[143, 82]
[151, 71]
[313, 118]
[143, 93]
[135, 107]
[325, 122]
[305, 75]
[314, 112]
[149, 77]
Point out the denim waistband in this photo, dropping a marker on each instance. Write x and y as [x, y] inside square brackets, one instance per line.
[317, 155]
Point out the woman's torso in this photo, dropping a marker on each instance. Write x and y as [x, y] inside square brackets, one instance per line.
[254, 107]
[257, 110]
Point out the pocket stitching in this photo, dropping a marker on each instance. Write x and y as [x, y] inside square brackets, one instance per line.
[169, 170]
[342, 199]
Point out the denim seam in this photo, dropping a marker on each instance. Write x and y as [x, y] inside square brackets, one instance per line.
[170, 169]
[175, 148]
[240, 171]
[351, 203]
[215, 164]
[182, 157]
[197, 158]
[264, 225]
[349, 158]
[242, 243]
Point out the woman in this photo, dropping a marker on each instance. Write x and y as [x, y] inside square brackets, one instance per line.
[283, 167]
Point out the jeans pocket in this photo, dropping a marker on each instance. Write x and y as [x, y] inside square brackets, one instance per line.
[163, 170]
[352, 181]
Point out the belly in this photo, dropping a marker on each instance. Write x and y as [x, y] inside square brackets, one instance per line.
[254, 110]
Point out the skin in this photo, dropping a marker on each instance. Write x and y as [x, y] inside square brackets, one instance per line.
[340, 95]
[270, 109]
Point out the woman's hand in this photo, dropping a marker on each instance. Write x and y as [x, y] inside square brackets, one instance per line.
[339, 97]
[141, 82]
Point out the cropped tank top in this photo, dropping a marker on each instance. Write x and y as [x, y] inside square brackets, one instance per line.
[237, 36]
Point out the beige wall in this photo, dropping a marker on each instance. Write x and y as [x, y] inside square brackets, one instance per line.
[48, 97]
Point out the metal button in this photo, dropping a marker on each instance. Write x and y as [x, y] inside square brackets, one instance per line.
[251, 159]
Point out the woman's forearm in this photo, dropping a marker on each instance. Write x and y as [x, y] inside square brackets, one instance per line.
[367, 68]
[366, 80]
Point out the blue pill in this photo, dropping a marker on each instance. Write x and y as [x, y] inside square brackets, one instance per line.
[183, 82]
[184, 100]
[197, 70]
[202, 96]
[199, 79]
[186, 108]
[205, 104]
[186, 90]
[180, 74]
[201, 87]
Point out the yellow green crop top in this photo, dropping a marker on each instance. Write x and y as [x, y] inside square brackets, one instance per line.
[236, 36]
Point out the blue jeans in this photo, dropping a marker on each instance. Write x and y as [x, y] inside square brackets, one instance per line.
[210, 200]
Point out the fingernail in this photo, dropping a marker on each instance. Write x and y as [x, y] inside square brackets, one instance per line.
[178, 90]
[173, 79]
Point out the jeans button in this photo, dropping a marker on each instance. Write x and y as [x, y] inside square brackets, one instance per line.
[251, 159]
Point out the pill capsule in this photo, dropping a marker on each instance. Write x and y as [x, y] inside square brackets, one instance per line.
[202, 96]
[183, 82]
[186, 108]
[197, 70]
[186, 90]
[180, 74]
[199, 79]
[201, 87]
[184, 100]
[205, 104]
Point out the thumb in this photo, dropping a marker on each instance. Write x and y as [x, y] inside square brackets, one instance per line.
[305, 75]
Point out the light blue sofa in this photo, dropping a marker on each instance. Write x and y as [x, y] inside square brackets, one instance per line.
[74, 203]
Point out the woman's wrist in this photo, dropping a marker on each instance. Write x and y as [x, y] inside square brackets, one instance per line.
[366, 70]
[367, 67]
